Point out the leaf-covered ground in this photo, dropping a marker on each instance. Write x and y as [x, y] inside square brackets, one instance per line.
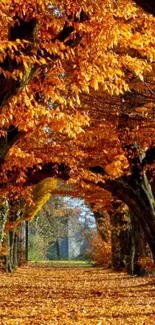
[76, 296]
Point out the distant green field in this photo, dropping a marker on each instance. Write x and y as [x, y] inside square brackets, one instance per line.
[62, 263]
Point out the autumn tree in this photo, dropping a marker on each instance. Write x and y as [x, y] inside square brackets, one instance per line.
[50, 226]
[59, 229]
[19, 211]
[77, 100]
[66, 34]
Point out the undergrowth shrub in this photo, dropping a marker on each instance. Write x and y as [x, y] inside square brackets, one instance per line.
[147, 263]
[100, 251]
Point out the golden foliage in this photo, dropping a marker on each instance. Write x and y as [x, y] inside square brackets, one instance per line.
[41, 193]
[76, 67]
[100, 251]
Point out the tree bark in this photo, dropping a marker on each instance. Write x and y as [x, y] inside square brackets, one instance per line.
[20, 247]
[11, 247]
[101, 224]
[137, 248]
[7, 259]
[10, 243]
[135, 191]
[137, 196]
[15, 252]
[119, 234]
[58, 249]
[26, 240]
[4, 210]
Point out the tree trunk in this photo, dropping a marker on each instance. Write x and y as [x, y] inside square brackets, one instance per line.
[115, 242]
[26, 241]
[11, 248]
[7, 260]
[15, 250]
[58, 249]
[137, 195]
[4, 209]
[10, 243]
[19, 246]
[137, 248]
[119, 234]
[101, 223]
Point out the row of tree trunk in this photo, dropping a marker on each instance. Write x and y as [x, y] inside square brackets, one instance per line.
[128, 243]
[14, 248]
[128, 240]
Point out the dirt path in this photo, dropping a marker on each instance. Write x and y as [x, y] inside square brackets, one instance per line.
[75, 296]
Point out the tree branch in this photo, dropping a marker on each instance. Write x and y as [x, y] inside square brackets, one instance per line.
[147, 5]
[6, 142]
[34, 176]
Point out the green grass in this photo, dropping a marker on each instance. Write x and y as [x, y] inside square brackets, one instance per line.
[71, 264]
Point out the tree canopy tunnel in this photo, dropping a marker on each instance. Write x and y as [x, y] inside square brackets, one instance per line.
[69, 111]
